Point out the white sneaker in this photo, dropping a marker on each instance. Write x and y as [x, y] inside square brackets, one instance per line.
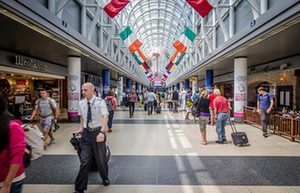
[52, 141]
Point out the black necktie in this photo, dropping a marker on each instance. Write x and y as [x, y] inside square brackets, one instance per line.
[89, 115]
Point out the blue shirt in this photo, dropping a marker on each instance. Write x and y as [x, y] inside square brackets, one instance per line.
[195, 96]
[151, 96]
[265, 101]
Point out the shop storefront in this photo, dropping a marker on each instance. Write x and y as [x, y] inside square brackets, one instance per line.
[21, 79]
[280, 80]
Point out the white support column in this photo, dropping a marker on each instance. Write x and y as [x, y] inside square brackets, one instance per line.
[181, 85]
[194, 85]
[83, 20]
[101, 30]
[214, 32]
[120, 90]
[74, 87]
[51, 6]
[231, 18]
[240, 87]
[140, 88]
[263, 6]
[93, 24]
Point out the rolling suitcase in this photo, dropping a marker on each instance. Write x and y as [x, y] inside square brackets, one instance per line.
[238, 138]
[158, 109]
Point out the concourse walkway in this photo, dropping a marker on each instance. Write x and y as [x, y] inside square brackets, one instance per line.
[162, 153]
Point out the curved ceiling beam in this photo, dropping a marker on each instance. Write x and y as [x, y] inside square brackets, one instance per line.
[155, 31]
[155, 19]
[146, 39]
[172, 3]
[156, 40]
[149, 21]
[150, 11]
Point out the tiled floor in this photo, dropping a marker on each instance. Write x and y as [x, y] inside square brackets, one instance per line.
[167, 134]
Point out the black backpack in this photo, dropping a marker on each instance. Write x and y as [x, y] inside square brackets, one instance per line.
[175, 95]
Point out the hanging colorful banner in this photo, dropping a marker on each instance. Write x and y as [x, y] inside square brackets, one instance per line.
[113, 7]
[203, 7]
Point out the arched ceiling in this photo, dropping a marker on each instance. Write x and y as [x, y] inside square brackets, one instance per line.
[157, 24]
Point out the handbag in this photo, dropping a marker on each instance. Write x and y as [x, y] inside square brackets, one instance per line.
[27, 156]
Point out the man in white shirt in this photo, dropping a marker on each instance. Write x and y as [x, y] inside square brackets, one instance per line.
[93, 125]
[183, 94]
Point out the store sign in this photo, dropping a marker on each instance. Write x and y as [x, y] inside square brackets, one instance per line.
[268, 68]
[30, 63]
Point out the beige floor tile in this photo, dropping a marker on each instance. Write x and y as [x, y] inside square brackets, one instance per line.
[271, 189]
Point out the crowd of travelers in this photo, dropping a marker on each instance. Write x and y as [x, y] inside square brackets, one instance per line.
[96, 118]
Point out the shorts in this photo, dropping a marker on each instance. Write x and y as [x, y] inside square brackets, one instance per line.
[211, 111]
[47, 123]
[203, 120]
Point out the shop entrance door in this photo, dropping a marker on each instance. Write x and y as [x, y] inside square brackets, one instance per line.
[285, 97]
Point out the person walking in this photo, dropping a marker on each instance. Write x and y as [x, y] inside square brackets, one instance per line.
[132, 100]
[111, 104]
[93, 125]
[175, 98]
[203, 108]
[221, 110]
[264, 107]
[46, 107]
[151, 99]
[145, 99]
[12, 149]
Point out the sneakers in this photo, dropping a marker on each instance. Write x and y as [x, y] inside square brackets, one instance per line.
[219, 142]
[109, 130]
[265, 135]
[52, 141]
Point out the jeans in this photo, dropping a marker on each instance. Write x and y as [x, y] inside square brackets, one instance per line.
[150, 107]
[110, 118]
[220, 125]
[17, 187]
[264, 120]
[131, 108]
[175, 106]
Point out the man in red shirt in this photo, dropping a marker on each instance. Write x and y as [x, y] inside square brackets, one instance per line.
[221, 110]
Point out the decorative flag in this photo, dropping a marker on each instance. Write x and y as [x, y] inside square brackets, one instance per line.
[185, 40]
[114, 7]
[170, 66]
[136, 44]
[142, 55]
[137, 59]
[179, 46]
[174, 56]
[168, 73]
[179, 59]
[125, 33]
[145, 66]
[201, 6]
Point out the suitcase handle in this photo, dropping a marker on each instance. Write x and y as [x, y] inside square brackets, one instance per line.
[233, 128]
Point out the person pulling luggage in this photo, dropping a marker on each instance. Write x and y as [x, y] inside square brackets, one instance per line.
[93, 125]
